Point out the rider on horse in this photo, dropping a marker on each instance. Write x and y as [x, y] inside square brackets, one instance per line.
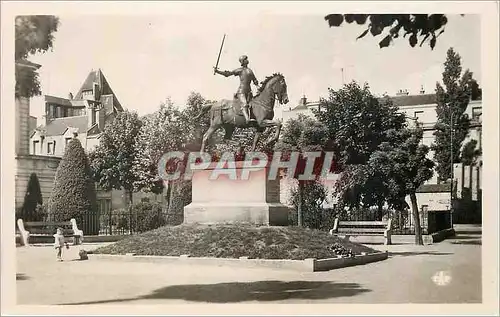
[244, 93]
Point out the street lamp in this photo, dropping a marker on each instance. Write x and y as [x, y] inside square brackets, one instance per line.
[451, 168]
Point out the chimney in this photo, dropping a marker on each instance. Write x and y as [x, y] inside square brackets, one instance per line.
[48, 113]
[95, 91]
[101, 117]
[303, 100]
[70, 96]
[91, 114]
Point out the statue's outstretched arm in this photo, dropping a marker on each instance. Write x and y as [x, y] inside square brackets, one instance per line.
[226, 73]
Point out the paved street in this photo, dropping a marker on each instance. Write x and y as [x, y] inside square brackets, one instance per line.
[448, 272]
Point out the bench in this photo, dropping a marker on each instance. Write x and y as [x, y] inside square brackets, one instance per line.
[361, 228]
[48, 229]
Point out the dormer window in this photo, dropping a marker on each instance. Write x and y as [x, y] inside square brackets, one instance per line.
[87, 94]
[51, 148]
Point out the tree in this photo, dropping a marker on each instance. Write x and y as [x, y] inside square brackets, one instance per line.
[32, 199]
[406, 167]
[74, 193]
[194, 129]
[33, 34]
[302, 135]
[113, 159]
[452, 102]
[470, 153]
[160, 133]
[356, 123]
[418, 26]
[475, 90]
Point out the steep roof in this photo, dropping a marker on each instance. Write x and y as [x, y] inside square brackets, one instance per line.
[414, 100]
[104, 88]
[60, 125]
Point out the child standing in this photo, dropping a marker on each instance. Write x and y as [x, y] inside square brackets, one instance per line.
[59, 243]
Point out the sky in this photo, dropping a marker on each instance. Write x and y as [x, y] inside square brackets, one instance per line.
[147, 59]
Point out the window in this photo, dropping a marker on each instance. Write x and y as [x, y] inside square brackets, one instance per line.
[35, 145]
[418, 115]
[68, 140]
[51, 147]
[476, 113]
[54, 111]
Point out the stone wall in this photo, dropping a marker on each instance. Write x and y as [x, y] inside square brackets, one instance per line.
[45, 168]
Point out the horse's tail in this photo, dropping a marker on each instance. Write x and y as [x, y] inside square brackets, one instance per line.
[204, 110]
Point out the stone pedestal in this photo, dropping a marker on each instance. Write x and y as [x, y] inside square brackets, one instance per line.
[225, 200]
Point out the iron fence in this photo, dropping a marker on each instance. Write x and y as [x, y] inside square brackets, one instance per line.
[115, 222]
[124, 222]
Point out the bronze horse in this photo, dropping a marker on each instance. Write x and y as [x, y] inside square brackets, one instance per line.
[228, 113]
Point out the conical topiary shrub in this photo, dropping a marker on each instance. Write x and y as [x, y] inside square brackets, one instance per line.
[74, 194]
[32, 199]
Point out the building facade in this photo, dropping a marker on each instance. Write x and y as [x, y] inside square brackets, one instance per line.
[82, 116]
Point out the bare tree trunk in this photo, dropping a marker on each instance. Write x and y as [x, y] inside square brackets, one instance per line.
[168, 194]
[416, 219]
[299, 204]
[171, 197]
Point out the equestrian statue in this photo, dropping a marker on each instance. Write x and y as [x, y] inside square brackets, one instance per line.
[244, 110]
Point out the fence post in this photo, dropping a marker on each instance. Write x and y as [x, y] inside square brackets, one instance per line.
[110, 223]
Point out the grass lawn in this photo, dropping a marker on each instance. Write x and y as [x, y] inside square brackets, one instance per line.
[233, 241]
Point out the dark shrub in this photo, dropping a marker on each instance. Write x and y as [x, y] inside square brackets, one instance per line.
[146, 216]
[74, 191]
[32, 199]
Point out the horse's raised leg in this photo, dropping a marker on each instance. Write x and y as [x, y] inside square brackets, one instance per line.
[277, 133]
[272, 124]
[207, 136]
